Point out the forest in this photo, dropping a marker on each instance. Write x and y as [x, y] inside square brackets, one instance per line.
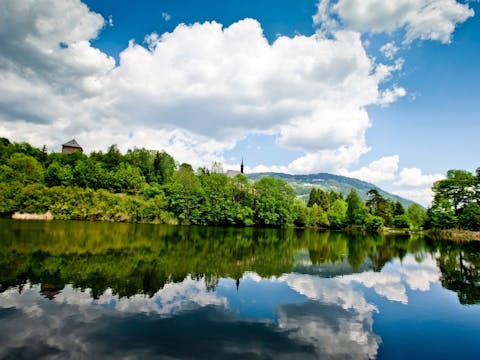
[150, 186]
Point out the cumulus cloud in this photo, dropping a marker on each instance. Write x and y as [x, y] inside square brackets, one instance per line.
[415, 185]
[423, 196]
[383, 169]
[420, 19]
[201, 84]
[413, 177]
[391, 95]
[201, 88]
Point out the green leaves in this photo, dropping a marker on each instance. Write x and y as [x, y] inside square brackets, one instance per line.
[456, 201]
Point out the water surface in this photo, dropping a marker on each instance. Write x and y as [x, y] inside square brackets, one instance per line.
[83, 290]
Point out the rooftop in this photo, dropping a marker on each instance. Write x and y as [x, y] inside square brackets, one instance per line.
[72, 143]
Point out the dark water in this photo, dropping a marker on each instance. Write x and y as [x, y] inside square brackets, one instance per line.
[96, 290]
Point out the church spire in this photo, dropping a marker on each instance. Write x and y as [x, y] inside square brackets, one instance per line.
[241, 166]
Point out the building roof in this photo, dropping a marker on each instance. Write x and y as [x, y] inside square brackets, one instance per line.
[232, 173]
[72, 143]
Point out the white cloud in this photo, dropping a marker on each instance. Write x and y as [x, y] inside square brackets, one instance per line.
[383, 169]
[414, 185]
[166, 16]
[423, 196]
[198, 90]
[391, 95]
[195, 91]
[421, 19]
[389, 50]
[413, 177]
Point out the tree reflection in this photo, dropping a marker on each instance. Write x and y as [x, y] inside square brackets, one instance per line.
[460, 267]
[140, 259]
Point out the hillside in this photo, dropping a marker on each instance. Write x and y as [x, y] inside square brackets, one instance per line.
[304, 183]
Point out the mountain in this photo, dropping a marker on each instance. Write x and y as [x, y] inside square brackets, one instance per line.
[304, 183]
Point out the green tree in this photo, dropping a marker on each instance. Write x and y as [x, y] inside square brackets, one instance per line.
[356, 210]
[319, 197]
[401, 221]
[337, 214]
[128, 179]
[457, 189]
[441, 215]
[273, 202]
[398, 208]
[470, 217]
[374, 223]
[26, 168]
[164, 167]
[416, 216]
[185, 194]
[477, 186]
[144, 160]
[379, 206]
[90, 174]
[57, 175]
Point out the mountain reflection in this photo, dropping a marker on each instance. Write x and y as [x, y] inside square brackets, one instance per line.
[184, 292]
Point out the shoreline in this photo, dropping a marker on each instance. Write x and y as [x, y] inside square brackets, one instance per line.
[457, 235]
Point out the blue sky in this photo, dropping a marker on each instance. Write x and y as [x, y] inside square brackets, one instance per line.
[386, 91]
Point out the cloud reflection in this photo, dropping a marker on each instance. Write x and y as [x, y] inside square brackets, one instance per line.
[185, 320]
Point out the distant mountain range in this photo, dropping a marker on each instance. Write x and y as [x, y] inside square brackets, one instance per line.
[304, 183]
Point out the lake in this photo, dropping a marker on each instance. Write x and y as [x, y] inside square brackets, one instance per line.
[110, 290]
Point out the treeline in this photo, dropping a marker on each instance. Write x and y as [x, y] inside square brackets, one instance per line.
[149, 186]
[139, 186]
[330, 210]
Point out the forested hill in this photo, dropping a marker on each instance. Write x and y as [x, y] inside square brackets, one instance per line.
[304, 183]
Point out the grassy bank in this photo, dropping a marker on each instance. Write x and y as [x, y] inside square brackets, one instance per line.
[453, 234]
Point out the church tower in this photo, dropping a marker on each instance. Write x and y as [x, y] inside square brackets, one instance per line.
[241, 167]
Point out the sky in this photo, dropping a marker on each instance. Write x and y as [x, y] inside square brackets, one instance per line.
[384, 91]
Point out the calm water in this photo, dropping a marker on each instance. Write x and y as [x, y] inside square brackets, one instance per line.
[96, 290]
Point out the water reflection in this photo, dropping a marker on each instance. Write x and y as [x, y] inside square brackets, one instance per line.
[113, 290]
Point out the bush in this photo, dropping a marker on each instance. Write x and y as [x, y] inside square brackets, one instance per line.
[374, 223]
[470, 217]
[401, 222]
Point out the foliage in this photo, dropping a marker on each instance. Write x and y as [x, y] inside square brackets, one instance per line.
[441, 215]
[470, 217]
[57, 175]
[373, 222]
[379, 206]
[313, 216]
[356, 209]
[320, 198]
[457, 189]
[337, 214]
[26, 169]
[401, 222]
[148, 186]
[397, 208]
[274, 202]
[416, 216]
[456, 201]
